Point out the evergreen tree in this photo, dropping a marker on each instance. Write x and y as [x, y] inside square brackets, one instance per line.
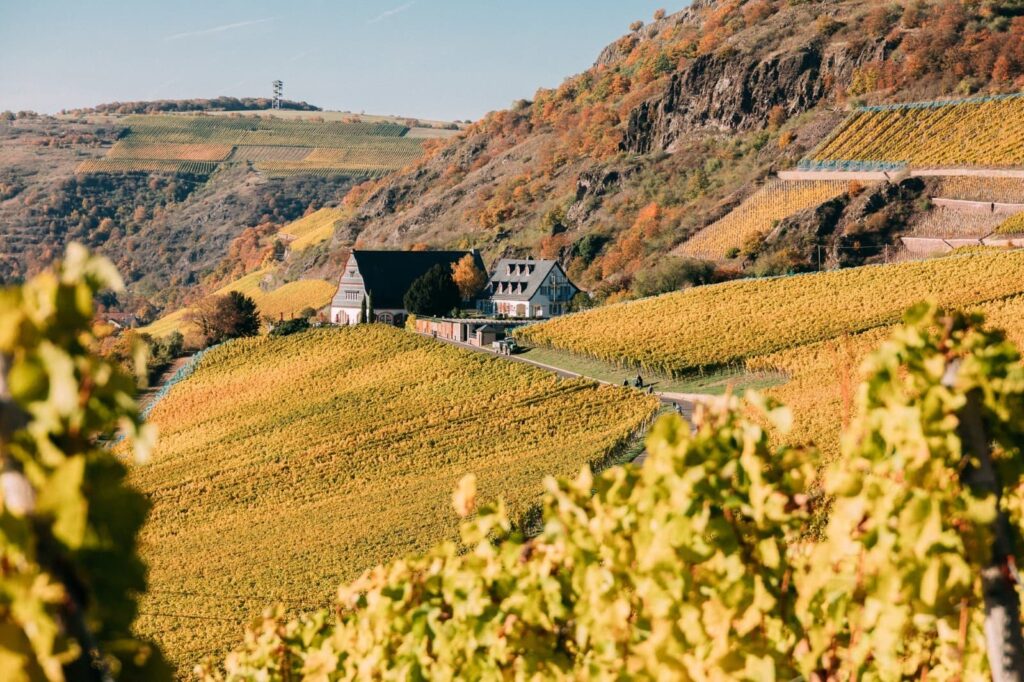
[362, 311]
[434, 293]
[370, 315]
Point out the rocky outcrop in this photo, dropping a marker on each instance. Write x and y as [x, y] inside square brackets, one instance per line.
[726, 92]
[852, 229]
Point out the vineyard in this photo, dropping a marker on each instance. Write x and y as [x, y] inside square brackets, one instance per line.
[948, 222]
[165, 143]
[823, 375]
[108, 165]
[758, 214]
[1012, 225]
[708, 326]
[287, 300]
[974, 188]
[286, 466]
[312, 229]
[928, 134]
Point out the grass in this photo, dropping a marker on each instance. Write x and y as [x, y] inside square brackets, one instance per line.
[714, 382]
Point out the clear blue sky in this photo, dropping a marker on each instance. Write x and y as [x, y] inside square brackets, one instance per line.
[445, 59]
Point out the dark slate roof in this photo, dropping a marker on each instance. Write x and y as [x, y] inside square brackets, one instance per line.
[387, 275]
[522, 285]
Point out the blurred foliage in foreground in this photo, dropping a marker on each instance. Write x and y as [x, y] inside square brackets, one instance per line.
[69, 570]
[711, 561]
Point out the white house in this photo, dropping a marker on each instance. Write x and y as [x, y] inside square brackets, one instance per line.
[384, 277]
[528, 289]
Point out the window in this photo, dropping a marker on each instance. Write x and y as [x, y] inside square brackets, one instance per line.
[510, 269]
[353, 295]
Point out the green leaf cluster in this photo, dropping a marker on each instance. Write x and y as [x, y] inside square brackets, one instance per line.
[69, 570]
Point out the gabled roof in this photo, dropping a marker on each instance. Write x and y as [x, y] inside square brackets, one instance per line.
[387, 275]
[523, 282]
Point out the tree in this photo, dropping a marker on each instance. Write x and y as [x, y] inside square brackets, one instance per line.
[370, 315]
[231, 316]
[362, 311]
[908, 575]
[71, 568]
[468, 277]
[433, 293]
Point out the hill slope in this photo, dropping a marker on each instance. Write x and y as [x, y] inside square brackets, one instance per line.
[287, 465]
[676, 123]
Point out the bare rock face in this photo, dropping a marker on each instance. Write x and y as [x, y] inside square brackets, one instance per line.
[591, 187]
[726, 92]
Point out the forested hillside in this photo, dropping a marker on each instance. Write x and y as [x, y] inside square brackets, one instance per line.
[680, 120]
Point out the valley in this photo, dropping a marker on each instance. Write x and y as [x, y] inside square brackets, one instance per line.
[694, 337]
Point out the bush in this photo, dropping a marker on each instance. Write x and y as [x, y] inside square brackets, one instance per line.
[231, 316]
[672, 274]
[289, 327]
[433, 293]
[700, 565]
[782, 262]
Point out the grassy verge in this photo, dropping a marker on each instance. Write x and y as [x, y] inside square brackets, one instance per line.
[712, 383]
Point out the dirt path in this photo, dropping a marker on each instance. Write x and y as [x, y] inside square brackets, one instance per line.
[147, 396]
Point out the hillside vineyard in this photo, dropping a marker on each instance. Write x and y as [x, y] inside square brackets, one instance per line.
[758, 214]
[714, 325]
[955, 133]
[201, 144]
[335, 451]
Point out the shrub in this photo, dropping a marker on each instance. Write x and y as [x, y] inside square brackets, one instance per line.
[672, 274]
[231, 316]
[289, 327]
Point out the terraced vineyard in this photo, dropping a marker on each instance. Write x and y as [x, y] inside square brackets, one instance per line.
[286, 301]
[973, 188]
[948, 222]
[720, 324]
[776, 200]
[162, 143]
[122, 165]
[928, 134]
[312, 229]
[1012, 225]
[288, 466]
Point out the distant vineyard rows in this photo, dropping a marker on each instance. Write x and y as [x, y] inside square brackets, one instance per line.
[276, 147]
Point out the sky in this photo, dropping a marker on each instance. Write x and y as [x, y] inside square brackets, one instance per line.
[432, 59]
